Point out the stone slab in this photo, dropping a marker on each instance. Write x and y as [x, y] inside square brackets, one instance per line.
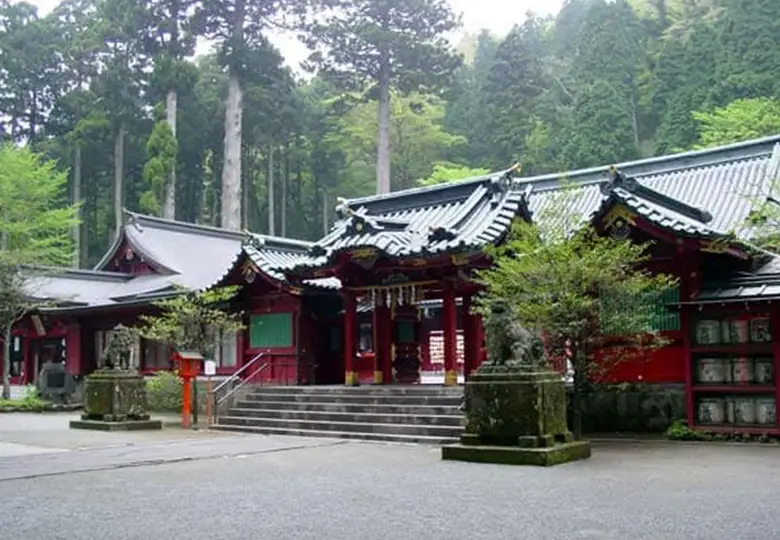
[512, 455]
[128, 425]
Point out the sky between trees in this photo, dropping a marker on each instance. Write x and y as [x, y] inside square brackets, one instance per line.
[497, 16]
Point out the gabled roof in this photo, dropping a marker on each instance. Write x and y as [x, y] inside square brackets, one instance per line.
[186, 255]
[706, 194]
[461, 216]
[723, 183]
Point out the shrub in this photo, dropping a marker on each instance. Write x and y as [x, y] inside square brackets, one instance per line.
[163, 392]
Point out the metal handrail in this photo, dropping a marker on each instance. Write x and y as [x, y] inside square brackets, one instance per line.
[231, 380]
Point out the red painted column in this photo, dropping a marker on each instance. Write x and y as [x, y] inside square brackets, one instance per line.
[450, 322]
[350, 332]
[775, 325]
[382, 345]
[73, 349]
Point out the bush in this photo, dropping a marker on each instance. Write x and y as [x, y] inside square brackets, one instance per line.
[163, 392]
[30, 402]
[679, 431]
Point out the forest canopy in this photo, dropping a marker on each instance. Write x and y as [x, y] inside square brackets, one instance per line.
[112, 91]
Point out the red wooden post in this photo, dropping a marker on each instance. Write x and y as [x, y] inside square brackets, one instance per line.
[186, 402]
[383, 368]
[350, 322]
[774, 318]
[450, 338]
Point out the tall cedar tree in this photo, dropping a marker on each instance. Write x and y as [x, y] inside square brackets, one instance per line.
[170, 39]
[381, 45]
[238, 26]
[35, 229]
[575, 288]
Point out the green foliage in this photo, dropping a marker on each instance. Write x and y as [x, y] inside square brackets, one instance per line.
[443, 173]
[557, 274]
[358, 43]
[31, 402]
[417, 137]
[191, 320]
[163, 392]
[162, 150]
[679, 431]
[740, 120]
[34, 223]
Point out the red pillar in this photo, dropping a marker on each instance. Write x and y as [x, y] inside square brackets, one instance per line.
[350, 323]
[73, 349]
[382, 345]
[450, 321]
[186, 402]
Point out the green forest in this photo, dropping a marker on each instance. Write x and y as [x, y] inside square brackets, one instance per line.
[112, 92]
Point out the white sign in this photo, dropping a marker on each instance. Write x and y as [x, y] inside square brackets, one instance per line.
[210, 368]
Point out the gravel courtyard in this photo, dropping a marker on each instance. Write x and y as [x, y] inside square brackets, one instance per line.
[280, 488]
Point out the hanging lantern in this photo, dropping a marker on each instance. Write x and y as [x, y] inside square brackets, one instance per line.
[400, 297]
[389, 298]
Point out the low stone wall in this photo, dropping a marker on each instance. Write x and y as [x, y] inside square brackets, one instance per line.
[639, 408]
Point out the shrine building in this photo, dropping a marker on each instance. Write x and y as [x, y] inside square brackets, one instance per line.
[385, 296]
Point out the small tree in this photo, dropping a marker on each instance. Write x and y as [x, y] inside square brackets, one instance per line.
[35, 225]
[192, 321]
[559, 276]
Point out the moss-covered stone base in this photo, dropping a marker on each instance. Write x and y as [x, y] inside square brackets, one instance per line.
[513, 455]
[127, 425]
[115, 396]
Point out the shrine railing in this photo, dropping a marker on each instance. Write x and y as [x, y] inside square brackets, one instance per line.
[265, 368]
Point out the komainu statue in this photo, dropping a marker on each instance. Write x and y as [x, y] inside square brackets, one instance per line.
[508, 342]
[120, 348]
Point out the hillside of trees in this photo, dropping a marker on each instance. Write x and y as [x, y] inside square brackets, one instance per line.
[112, 92]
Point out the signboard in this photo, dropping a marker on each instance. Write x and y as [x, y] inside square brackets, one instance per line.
[210, 368]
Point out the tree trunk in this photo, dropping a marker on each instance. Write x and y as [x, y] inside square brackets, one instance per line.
[77, 201]
[119, 166]
[324, 212]
[7, 363]
[271, 213]
[576, 401]
[283, 175]
[231, 166]
[169, 205]
[383, 142]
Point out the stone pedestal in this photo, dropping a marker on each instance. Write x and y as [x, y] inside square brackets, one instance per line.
[115, 400]
[516, 414]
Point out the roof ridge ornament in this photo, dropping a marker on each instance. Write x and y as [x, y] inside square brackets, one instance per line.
[252, 240]
[618, 180]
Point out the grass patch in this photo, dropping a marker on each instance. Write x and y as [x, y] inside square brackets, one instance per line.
[31, 402]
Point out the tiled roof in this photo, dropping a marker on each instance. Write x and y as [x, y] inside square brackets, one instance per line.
[761, 285]
[187, 255]
[705, 193]
[458, 216]
[725, 182]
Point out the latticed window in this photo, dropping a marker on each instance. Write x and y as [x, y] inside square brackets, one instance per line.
[618, 313]
[270, 331]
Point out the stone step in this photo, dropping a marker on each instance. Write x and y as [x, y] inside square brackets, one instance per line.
[336, 406]
[351, 427]
[379, 437]
[337, 417]
[374, 390]
[357, 398]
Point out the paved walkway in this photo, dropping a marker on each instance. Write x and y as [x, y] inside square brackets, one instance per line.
[30, 433]
[204, 486]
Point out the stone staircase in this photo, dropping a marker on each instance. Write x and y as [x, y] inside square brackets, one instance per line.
[413, 414]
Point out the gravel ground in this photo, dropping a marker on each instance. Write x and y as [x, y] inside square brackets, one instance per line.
[284, 488]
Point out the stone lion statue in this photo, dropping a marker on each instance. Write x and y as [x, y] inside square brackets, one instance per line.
[508, 342]
[120, 346]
